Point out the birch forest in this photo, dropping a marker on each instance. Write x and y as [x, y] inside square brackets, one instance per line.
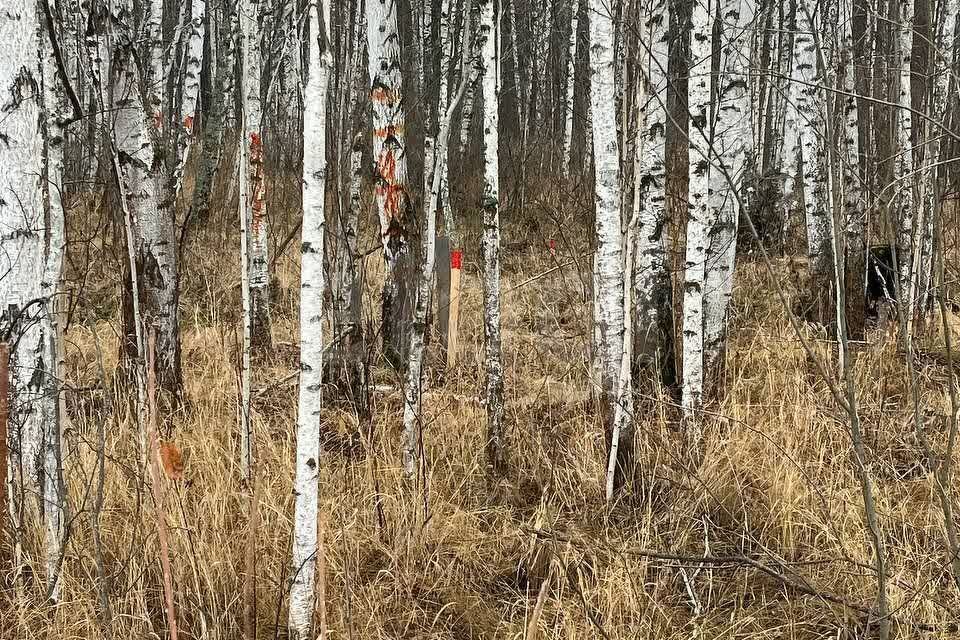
[468, 319]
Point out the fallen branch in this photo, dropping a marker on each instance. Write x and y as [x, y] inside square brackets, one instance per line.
[741, 560]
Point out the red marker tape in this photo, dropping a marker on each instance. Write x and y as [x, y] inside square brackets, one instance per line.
[456, 259]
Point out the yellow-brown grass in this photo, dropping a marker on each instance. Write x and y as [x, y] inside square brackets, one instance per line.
[777, 483]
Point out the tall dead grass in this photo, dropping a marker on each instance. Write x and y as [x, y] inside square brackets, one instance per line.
[777, 485]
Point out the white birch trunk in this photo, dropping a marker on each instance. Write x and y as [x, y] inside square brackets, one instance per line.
[306, 485]
[489, 60]
[571, 85]
[517, 78]
[466, 116]
[732, 136]
[698, 218]
[215, 118]
[390, 158]
[138, 132]
[804, 143]
[193, 61]
[54, 493]
[907, 227]
[853, 214]
[651, 278]
[610, 233]
[252, 65]
[22, 255]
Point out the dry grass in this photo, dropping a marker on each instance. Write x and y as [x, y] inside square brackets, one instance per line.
[777, 483]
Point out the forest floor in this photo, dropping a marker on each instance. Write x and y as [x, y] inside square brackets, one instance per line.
[775, 503]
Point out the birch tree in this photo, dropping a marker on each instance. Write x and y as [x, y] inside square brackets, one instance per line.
[731, 140]
[698, 216]
[805, 151]
[394, 205]
[490, 62]
[609, 281]
[651, 279]
[903, 197]
[224, 42]
[57, 116]
[252, 69]
[571, 86]
[30, 258]
[311, 324]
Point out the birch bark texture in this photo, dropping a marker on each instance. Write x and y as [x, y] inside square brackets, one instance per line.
[732, 133]
[310, 402]
[394, 205]
[651, 279]
[904, 162]
[26, 287]
[698, 214]
[569, 104]
[250, 86]
[57, 114]
[490, 74]
[610, 232]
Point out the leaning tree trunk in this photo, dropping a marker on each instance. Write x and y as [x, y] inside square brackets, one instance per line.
[306, 483]
[490, 63]
[56, 108]
[653, 327]
[413, 392]
[394, 205]
[698, 218]
[259, 277]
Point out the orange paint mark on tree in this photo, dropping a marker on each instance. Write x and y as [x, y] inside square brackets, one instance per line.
[171, 459]
[391, 130]
[256, 182]
[188, 123]
[381, 94]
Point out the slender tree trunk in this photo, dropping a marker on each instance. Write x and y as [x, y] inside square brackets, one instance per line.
[54, 497]
[215, 117]
[904, 165]
[252, 65]
[489, 39]
[854, 204]
[609, 280]
[698, 218]
[569, 104]
[413, 392]
[803, 145]
[312, 284]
